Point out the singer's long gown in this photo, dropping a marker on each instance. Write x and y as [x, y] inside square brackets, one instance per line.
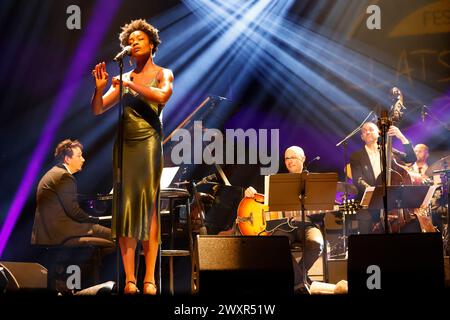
[142, 164]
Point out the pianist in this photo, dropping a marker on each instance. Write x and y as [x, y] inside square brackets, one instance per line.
[58, 216]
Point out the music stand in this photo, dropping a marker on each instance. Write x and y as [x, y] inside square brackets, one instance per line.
[307, 191]
[398, 197]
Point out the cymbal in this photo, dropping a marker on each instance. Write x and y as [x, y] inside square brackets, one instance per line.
[344, 186]
[181, 183]
[438, 165]
[208, 182]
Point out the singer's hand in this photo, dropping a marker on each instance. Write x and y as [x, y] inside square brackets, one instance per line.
[116, 82]
[100, 76]
[250, 192]
[394, 131]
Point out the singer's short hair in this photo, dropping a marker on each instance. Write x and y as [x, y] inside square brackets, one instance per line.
[65, 148]
[141, 25]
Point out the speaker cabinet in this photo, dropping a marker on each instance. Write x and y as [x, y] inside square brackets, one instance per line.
[24, 276]
[241, 265]
[395, 263]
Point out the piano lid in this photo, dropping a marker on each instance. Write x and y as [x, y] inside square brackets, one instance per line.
[213, 112]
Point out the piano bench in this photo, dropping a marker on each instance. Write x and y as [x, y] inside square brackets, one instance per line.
[86, 253]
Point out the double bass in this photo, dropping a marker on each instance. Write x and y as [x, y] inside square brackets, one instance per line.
[397, 176]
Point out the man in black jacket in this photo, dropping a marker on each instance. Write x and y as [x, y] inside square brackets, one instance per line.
[58, 216]
[365, 166]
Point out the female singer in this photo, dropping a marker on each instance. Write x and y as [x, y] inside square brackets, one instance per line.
[146, 90]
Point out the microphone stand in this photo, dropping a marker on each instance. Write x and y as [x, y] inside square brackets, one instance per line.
[196, 203]
[302, 208]
[119, 173]
[383, 124]
[426, 111]
[344, 144]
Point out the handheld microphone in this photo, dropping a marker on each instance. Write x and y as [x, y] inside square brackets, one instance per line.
[125, 52]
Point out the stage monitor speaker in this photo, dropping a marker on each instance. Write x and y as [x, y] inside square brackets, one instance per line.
[243, 265]
[24, 276]
[402, 262]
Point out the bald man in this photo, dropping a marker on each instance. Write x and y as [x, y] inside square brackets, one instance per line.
[419, 167]
[294, 158]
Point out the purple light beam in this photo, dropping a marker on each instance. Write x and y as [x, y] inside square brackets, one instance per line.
[102, 14]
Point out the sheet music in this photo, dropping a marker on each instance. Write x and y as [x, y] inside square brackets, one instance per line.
[367, 196]
[429, 196]
[167, 176]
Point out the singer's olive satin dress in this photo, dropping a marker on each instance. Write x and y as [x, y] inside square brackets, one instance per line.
[142, 164]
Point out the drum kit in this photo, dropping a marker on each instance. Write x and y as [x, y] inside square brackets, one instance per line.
[197, 206]
[200, 202]
[441, 164]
